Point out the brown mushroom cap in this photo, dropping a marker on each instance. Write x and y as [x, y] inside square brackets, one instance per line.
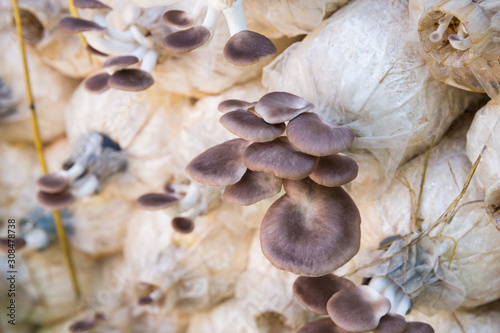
[93, 51]
[97, 84]
[391, 323]
[55, 200]
[181, 224]
[131, 80]
[145, 300]
[253, 187]
[314, 292]
[418, 327]
[358, 309]
[84, 325]
[250, 127]
[94, 4]
[155, 201]
[177, 19]
[6, 243]
[335, 170]
[52, 183]
[279, 158]
[77, 25]
[235, 104]
[323, 325]
[120, 61]
[248, 47]
[310, 134]
[186, 40]
[311, 230]
[221, 165]
[279, 107]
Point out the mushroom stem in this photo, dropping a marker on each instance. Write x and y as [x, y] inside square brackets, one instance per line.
[390, 293]
[461, 30]
[460, 43]
[198, 209]
[235, 18]
[379, 283]
[124, 36]
[149, 61]
[191, 197]
[74, 172]
[444, 22]
[139, 52]
[86, 187]
[211, 19]
[36, 239]
[403, 303]
[156, 295]
[109, 46]
[140, 38]
[131, 13]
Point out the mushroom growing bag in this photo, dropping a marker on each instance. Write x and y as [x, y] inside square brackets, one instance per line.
[358, 71]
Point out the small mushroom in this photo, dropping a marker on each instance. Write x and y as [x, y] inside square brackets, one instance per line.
[418, 327]
[181, 224]
[82, 325]
[310, 134]
[279, 107]
[253, 187]
[155, 201]
[76, 25]
[53, 183]
[279, 158]
[131, 80]
[358, 309]
[250, 127]
[311, 230]
[178, 19]
[314, 292]
[221, 165]
[335, 170]
[93, 51]
[90, 4]
[323, 325]
[97, 84]
[235, 104]
[55, 200]
[391, 323]
[18, 243]
[247, 48]
[119, 62]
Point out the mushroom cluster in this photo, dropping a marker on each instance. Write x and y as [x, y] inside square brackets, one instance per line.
[184, 202]
[244, 48]
[315, 227]
[96, 158]
[376, 307]
[127, 46]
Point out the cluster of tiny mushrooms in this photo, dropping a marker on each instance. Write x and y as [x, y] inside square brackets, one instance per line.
[459, 40]
[312, 230]
[134, 44]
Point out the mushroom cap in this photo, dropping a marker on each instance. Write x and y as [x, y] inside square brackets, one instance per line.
[84, 325]
[76, 25]
[181, 224]
[93, 51]
[248, 47]
[155, 201]
[235, 104]
[250, 127]
[131, 80]
[279, 158]
[120, 61]
[55, 200]
[279, 107]
[335, 170]
[391, 323]
[253, 187]
[94, 4]
[52, 183]
[97, 84]
[314, 292]
[310, 134]
[6, 243]
[220, 165]
[144, 300]
[177, 19]
[418, 327]
[323, 325]
[358, 309]
[311, 230]
[186, 40]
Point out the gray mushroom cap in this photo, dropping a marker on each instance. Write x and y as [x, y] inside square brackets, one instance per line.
[76, 25]
[56, 201]
[177, 19]
[418, 327]
[310, 134]
[131, 80]
[181, 224]
[253, 187]
[6, 243]
[279, 107]
[279, 158]
[93, 51]
[311, 230]
[314, 292]
[247, 48]
[120, 61]
[235, 104]
[323, 325]
[91, 4]
[221, 165]
[358, 309]
[335, 170]
[391, 323]
[97, 84]
[155, 201]
[186, 40]
[250, 127]
[52, 183]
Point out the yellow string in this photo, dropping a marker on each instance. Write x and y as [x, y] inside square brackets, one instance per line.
[74, 13]
[39, 148]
